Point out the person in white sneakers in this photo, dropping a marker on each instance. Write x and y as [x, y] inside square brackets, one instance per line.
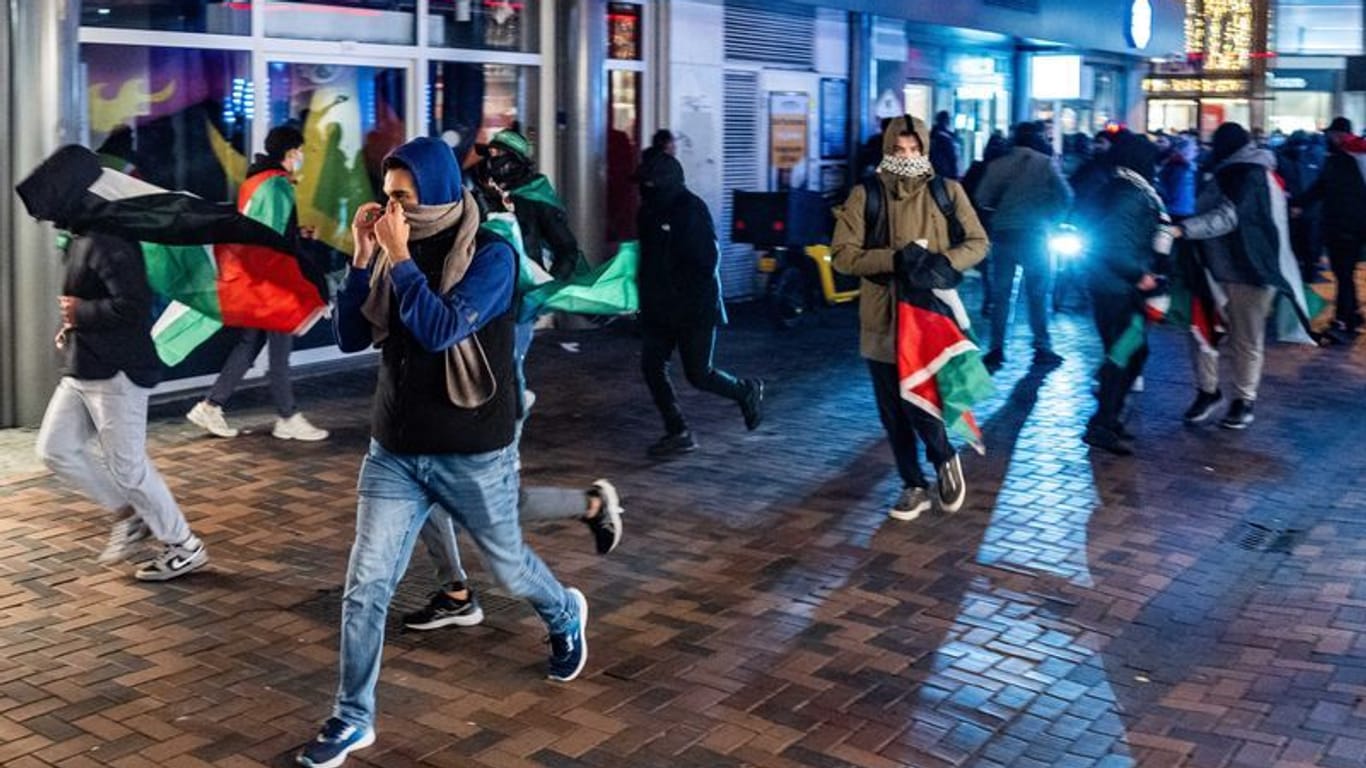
[109, 371]
[267, 195]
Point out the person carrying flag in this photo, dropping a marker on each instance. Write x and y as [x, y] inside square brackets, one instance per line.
[902, 244]
[434, 291]
[108, 373]
[267, 196]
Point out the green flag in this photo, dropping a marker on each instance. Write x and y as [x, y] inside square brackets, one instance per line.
[607, 289]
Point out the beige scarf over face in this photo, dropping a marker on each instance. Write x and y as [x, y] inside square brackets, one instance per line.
[469, 380]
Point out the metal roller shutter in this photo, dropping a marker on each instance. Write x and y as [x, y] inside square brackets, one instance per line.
[740, 170]
[771, 32]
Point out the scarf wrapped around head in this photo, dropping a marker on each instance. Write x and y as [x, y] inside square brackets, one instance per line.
[469, 378]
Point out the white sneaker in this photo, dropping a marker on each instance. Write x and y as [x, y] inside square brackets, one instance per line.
[125, 538]
[296, 427]
[209, 417]
[175, 560]
[1137, 386]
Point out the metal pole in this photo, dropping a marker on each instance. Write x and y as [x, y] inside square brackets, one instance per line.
[43, 39]
[584, 187]
[1257, 95]
[860, 89]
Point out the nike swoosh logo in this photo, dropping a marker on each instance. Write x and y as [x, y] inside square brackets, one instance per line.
[178, 562]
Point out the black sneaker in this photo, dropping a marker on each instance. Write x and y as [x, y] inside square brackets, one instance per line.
[1239, 415]
[952, 488]
[672, 445]
[1047, 358]
[443, 611]
[910, 504]
[606, 526]
[1203, 407]
[994, 359]
[753, 405]
[1107, 440]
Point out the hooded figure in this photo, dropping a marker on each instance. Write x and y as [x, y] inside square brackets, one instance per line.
[540, 213]
[1242, 224]
[918, 249]
[1340, 190]
[680, 301]
[434, 291]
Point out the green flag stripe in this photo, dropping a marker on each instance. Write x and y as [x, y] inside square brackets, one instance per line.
[184, 273]
[179, 330]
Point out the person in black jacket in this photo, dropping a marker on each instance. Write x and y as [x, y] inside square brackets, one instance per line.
[110, 369]
[944, 147]
[1342, 190]
[680, 302]
[1125, 221]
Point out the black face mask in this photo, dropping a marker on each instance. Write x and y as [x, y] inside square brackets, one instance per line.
[506, 168]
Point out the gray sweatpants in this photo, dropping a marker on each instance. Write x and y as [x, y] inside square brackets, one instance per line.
[540, 502]
[1248, 309]
[112, 412]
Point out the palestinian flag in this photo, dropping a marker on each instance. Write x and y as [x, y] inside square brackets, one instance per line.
[216, 266]
[607, 289]
[938, 362]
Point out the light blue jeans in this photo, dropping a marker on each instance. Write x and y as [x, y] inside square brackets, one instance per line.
[396, 493]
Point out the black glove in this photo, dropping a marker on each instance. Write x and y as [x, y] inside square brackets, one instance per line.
[922, 269]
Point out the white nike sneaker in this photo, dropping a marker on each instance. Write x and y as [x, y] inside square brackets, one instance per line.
[125, 539]
[209, 417]
[296, 427]
[175, 560]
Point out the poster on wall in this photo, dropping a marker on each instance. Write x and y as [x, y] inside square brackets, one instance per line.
[788, 123]
[834, 125]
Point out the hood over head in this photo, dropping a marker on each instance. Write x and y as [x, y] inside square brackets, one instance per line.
[1135, 152]
[435, 172]
[53, 192]
[661, 177]
[897, 126]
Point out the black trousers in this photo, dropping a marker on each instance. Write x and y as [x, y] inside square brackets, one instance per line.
[1114, 315]
[904, 422]
[695, 347]
[1343, 253]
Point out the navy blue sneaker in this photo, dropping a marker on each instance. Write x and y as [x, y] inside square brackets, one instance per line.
[569, 650]
[334, 742]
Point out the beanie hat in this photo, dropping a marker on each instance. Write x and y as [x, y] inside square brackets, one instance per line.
[1229, 138]
[1340, 125]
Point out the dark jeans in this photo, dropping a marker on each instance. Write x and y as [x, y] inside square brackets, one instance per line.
[1343, 254]
[1114, 315]
[695, 347]
[904, 422]
[1029, 250]
[239, 362]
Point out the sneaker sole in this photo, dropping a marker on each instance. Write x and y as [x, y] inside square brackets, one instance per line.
[466, 620]
[953, 505]
[907, 515]
[190, 567]
[583, 625]
[301, 438]
[365, 741]
[1241, 425]
[611, 506]
[204, 425]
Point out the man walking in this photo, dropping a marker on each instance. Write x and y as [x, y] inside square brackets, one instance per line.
[680, 303]
[267, 195]
[909, 238]
[1026, 194]
[434, 291]
[1342, 190]
[109, 371]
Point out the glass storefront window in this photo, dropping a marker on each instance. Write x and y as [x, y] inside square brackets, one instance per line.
[220, 17]
[500, 25]
[351, 117]
[178, 117]
[623, 31]
[362, 21]
[471, 102]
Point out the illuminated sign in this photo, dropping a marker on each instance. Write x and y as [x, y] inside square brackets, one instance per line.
[1140, 23]
[1055, 77]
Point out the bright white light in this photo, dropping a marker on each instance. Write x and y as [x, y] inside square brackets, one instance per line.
[1067, 244]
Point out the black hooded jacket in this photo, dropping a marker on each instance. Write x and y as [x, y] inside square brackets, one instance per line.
[678, 251]
[114, 317]
[1342, 190]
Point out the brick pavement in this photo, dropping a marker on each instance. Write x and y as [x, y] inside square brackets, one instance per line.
[1200, 605]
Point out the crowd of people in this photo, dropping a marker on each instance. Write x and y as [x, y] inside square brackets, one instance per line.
[436, 290]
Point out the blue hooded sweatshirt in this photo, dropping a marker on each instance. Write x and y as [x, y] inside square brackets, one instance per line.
[434, 170]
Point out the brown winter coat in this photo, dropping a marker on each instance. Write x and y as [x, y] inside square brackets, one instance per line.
[912, 215]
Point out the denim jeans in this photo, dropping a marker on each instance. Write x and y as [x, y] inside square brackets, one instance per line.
[112, 412]
[396, 493]
[1028, 250]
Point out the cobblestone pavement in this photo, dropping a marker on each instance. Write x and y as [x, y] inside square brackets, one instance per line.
[1202, 604]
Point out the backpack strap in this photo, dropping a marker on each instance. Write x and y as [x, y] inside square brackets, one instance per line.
[940, 190]
[876, 226]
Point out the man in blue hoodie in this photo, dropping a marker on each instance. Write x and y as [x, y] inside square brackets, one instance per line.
[434, 292]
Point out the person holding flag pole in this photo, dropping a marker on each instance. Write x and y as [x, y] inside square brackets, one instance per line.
[909, 235]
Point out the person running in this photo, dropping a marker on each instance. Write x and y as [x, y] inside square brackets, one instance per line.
[434, 291]
[267, 195]
[110, 366]
[680, 303]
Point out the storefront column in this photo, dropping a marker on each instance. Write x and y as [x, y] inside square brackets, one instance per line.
[42, 43]
[583, 84]
[860, 88]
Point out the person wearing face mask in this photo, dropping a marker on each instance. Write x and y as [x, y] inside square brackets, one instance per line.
[267, 195]
[680, 302]
[540, 214]
[910, 238]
